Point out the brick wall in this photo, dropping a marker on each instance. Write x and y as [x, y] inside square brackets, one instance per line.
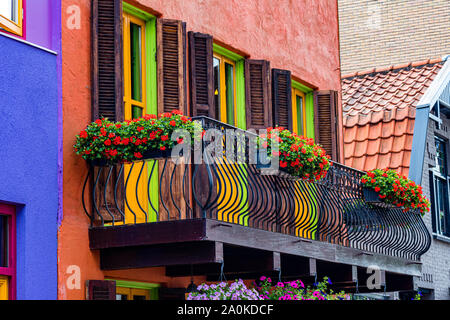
[376, 33]
[436, 262]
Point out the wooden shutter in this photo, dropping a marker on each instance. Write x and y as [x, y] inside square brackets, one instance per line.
[107, 89]
[257, 93]
[100, 290]
[201, 74]
[326, 121]
[171, 65]
[107, 60]
[171, 61]
[282, 98]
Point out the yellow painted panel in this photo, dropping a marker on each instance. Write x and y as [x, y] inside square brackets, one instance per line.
[131, 293]
[4, 288]
[140, 292]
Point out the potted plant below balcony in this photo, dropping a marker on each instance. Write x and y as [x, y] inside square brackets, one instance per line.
[389, 187]
[299, 157]
[107, 143]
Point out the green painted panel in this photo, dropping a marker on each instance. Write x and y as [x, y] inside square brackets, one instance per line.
[152, 107]
[309, 105]
[141, 14]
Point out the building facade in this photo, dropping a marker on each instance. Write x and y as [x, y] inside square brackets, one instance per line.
[389, 61]
[242, 32]
[31, 174]
[393, 119]
[378, 33]
[148, 229]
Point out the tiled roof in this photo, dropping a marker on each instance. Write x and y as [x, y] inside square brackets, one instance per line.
[379, 110]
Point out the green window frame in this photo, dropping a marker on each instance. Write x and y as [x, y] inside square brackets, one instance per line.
[309, 107]
[240, 83]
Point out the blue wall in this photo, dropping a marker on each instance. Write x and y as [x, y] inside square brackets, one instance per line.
[28, 161]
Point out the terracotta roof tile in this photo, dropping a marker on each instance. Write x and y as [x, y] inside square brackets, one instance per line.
[379, 112]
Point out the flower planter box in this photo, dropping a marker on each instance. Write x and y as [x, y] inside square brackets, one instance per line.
[266, 170]
[371, 196]
[98, 163]
[156, 154]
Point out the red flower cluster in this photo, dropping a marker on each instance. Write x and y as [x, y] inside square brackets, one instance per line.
[298, 155]
[128, 140]
[396, 189]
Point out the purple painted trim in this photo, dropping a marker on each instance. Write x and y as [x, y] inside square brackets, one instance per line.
[57, 45]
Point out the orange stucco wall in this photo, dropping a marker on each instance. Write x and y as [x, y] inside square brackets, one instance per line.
[299, 35]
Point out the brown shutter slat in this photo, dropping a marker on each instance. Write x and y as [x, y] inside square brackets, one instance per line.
[100, 290]
[171, 62]
[326, 121]
[257, 93]
[282, 98]
[107, 60]
[201, 74]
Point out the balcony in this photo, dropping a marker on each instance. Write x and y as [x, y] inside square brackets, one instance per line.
[224, 215]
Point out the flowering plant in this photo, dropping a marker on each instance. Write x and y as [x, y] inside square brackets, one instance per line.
[396, 189]
[298, 155]
[296, 290]
[130, 139]
[98, 142]
[224, 291]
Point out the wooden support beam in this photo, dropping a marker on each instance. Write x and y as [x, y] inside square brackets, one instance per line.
[161, 255]
[237, 261]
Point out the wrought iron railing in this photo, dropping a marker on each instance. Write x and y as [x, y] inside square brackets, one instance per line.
[235, 190]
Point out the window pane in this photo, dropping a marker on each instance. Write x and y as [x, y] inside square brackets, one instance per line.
[442, 211]
[441, 156]
[136, 112]
[8, 9]
[136, 62]
[299, 101]
[216, 64]
[3, 241]
[138, 297]
[229, 83]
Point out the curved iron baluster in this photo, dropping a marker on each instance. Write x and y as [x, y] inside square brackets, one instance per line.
[104, 194]
[90, 216]
[115, 192]
[148, 190]
[94, 195]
